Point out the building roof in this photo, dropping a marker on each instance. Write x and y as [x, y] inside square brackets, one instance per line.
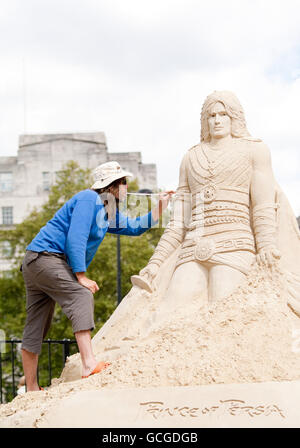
[35, 139]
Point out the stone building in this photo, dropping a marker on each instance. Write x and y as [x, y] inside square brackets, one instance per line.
[25, 179]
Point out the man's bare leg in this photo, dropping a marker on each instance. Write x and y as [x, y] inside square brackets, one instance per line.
[88, 359]
[30, 363]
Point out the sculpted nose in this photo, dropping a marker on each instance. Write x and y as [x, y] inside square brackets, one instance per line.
[217, 118]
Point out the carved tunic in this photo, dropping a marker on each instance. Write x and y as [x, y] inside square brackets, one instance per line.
[218, 182]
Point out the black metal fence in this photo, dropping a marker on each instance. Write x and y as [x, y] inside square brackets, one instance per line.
[11, 366]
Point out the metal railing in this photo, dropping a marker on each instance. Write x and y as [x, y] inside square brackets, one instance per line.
[11, 357]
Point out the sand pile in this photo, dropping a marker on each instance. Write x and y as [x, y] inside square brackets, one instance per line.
[249, 337]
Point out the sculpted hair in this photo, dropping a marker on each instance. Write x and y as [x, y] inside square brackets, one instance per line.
[233, 109]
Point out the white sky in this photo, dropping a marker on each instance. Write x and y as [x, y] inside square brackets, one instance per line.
[140, 71]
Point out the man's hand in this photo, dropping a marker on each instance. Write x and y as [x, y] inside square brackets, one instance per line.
[164, 198]
[86, 282]
[163, 201]
[267, 256]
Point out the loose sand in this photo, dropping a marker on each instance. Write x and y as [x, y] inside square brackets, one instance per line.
[249, 337]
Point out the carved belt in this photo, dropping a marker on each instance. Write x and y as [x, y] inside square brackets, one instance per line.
[203, 248]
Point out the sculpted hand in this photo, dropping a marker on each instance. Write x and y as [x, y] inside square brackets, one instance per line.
[150, 271]
[86, 282]
[267, 256]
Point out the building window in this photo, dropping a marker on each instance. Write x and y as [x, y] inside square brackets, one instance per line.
[46, 180]
[6, 179]
[7, 215]
[58, 175]
[5, 249]
[6, 274]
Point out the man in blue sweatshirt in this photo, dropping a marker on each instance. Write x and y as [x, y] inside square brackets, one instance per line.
[55, 264]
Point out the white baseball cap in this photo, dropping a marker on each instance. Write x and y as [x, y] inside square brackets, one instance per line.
[108, 172]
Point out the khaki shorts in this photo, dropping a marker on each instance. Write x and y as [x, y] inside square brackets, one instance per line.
[49, 279]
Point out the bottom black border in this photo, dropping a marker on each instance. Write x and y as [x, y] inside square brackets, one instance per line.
[101, 437]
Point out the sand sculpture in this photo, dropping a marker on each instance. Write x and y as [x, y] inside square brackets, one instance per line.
[232, 246]
[225, 276]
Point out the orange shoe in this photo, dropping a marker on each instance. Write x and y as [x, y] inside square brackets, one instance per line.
[99, 367]
[41, 388]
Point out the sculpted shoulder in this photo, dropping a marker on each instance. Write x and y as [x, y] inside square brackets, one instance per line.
[188, 152]
[194, 147]
[260, 152]
[258, 146]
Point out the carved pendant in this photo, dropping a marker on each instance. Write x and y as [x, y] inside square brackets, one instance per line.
[209, 193]
[204, 249]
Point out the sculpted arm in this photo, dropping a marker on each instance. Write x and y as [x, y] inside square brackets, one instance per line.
[263, 204]
[176, 228]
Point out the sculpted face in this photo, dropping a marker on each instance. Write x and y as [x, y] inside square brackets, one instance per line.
[219, 122]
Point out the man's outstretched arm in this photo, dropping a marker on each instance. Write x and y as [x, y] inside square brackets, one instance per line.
[175, 230]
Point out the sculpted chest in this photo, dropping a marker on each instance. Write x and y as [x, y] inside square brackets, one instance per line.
[209, 168]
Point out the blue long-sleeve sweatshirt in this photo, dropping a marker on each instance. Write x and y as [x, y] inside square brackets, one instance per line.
[79, 226]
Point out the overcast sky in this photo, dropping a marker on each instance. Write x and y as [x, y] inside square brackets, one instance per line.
[140, 70]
